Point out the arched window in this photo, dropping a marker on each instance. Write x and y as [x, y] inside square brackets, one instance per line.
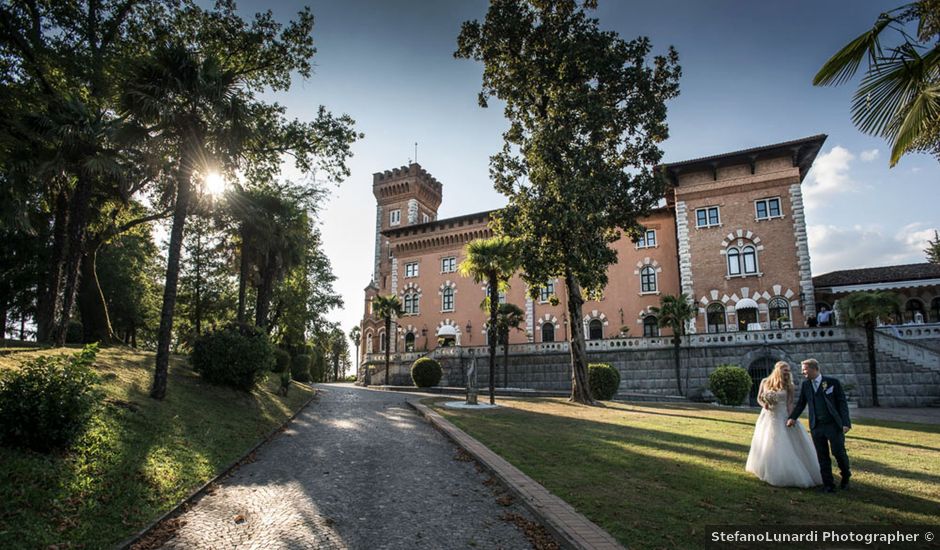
[911, 309]
[734, 261]
[548, 332]
[410, 342]
[648, 279]
[447, 299]
[382, 342]
[715, 317]
[369, 343]
[650, 326]
[779, 311]
[596, 330]
[410, 305]
[749, 257]
[935, 310]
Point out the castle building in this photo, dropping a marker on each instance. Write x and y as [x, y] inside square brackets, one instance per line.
[731, 234]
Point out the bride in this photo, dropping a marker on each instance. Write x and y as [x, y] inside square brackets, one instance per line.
[781, 457]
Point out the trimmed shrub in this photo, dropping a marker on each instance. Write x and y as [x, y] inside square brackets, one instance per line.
[47, 403]
[730, 384]
[281, 360]
[238, 356]
[300, 368]
[426, 372]
[604, 381]
[351, 378]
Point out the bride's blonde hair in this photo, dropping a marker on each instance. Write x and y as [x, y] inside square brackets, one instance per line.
[778, 379]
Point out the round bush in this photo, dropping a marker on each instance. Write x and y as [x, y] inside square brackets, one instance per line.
[281, 360]
[730, 384]
[48, 402]
[426, 372]
[238, 356]
[604, 381]
[300, 368]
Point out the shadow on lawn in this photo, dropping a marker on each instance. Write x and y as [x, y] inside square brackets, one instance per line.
[584, 447]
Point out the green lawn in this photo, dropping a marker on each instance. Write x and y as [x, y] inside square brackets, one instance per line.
[653, 475]
[139, 458]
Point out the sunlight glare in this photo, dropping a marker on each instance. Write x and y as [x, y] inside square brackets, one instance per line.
[214, 184]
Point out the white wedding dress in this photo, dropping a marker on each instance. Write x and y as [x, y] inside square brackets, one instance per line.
[782, 456]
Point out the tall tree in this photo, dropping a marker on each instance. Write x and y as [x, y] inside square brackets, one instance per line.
[865, 309]
[898, 99]
[355, 334]
[675, 312]
[387, 308]
[933, 248]
[586, 113]
[492, 261]
[129, 280]
[198, 90]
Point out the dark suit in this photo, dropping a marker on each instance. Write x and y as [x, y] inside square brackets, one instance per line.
[828, 414]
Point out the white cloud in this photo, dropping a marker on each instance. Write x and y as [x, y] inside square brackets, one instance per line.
[833, 248]
[829, 177]
[868, 156]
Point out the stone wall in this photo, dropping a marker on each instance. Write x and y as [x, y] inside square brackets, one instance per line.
[651, 369]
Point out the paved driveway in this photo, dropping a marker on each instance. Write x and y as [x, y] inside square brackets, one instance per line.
[356, 469]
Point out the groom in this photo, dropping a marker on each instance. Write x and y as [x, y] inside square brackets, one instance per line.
[828, 421]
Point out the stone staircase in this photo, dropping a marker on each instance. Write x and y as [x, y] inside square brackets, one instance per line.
[904, 350]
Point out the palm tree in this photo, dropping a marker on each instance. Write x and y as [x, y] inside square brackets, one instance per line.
[183, 96]
[494, 261]
[508, 317]
[674, 312]
[387, 307]
[355, 334]
[864, 309]
[899, 96]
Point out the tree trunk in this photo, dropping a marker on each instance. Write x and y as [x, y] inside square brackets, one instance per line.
[133, 336]
[388, 348]
[23, 326]
[197, 322]
[872, 368]
[96, 323]
[357, 360]
[165, 333]
[48, 299]
[265, 291]
[676, 342]
[3, 324]
[78, 224]
[492, 333]
[244, 266]
[506, 361]
[335, 367]
[580, 388]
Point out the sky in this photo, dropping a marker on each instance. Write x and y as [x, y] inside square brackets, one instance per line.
[747, 72]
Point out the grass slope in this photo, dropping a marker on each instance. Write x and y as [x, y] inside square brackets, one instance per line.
[139, 458]
[654, 475]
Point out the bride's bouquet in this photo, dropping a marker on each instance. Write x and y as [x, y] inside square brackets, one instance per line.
[769, 399]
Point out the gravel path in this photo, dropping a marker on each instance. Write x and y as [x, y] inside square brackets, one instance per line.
[357, 469]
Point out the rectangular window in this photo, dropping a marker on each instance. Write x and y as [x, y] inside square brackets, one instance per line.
[448, 265]
[707, 217]
[647, 239]
[774, 206]
[394, 217]
[547, 291]
[768, 208]
[411, 270]
[448, 300]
